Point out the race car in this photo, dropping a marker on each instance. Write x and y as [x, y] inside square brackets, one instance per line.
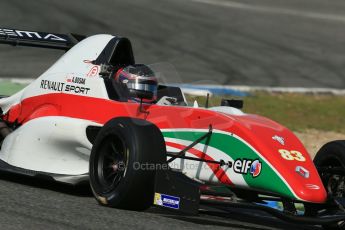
[75, 123]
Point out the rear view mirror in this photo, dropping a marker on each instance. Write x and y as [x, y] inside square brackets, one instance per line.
[238, 104]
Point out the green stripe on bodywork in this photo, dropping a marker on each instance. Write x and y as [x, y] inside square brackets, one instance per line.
[268, 180]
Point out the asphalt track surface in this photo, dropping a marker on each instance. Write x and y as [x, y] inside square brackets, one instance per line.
[233, 42]
[261, 43]
[28, 203]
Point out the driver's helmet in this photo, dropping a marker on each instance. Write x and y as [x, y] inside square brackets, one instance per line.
[140, 80]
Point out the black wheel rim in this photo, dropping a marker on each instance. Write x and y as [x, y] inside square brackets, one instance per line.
[333, 182]
[336, 185]
[112, 163]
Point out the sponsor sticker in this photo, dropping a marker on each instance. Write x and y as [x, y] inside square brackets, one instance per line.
[93, 71]
[312, 186]
[32, 35]
[76, 80]
[63, 87]
[302, 172]
[167, 201]
[280, 139]
[246, 166]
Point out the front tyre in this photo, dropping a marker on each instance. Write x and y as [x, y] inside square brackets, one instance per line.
[123, 161]
[330, 161]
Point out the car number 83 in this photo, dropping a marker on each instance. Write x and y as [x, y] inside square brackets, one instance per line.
[292, 155]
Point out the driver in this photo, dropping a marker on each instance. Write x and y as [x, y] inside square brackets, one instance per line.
[140, 79]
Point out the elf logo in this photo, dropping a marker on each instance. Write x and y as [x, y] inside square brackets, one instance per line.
[245, 166]
[31, 35]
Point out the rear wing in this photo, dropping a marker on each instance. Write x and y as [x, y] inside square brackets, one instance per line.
[39, 39]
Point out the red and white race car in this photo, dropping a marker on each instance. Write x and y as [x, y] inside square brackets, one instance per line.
[74, 123]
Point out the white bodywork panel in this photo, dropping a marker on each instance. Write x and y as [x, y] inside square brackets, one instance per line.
[227, 110]
[75, 63]
[58, 145]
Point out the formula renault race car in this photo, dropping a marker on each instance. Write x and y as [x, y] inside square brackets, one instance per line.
[74, 123]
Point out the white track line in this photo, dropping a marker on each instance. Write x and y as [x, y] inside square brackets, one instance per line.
[301, 90]
[274, 10]
[242, 88]
[24, 81]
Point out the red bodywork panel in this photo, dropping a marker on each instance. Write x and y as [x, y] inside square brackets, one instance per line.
[255, 130]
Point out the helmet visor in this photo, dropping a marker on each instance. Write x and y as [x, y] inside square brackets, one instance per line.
[144, 87]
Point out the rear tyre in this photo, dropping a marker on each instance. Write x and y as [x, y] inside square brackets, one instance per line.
[123, 160]
[332, 156]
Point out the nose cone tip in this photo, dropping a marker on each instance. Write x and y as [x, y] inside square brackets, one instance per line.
[312, 193]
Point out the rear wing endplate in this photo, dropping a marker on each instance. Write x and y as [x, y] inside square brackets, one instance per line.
[39, 39]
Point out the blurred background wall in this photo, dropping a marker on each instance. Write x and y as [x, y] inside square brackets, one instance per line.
[244, 42]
